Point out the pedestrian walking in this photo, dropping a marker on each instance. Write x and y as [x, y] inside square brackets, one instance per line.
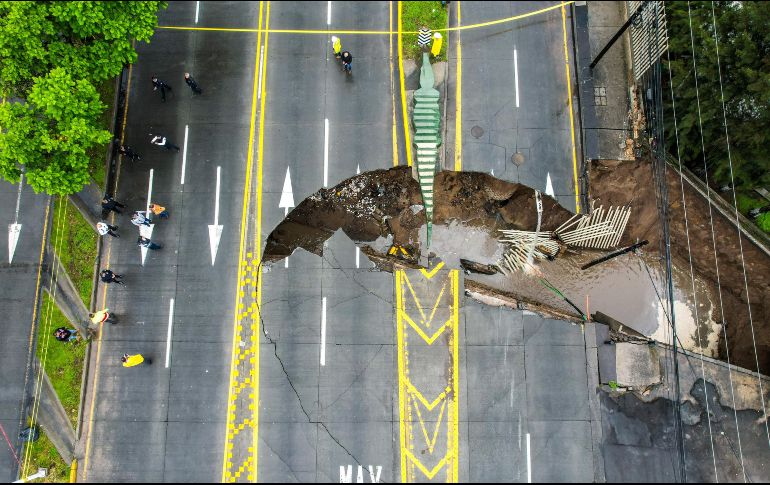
[139, 218]
[128, 152]
[102, 316]
[158, 84]
[145, 242]
[64, 334]
[107, 276]
[162, 141]
[110, 204]
[159, 211]
[336, 46]
[134, 360]
[191, 82]
[103, 229]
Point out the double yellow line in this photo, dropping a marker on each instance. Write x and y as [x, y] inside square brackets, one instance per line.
[246, 321]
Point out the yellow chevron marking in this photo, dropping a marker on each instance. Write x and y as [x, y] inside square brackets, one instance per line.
[430, 442]
[432, 272]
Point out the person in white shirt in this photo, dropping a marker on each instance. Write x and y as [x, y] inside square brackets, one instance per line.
[103, 229]
[162, 141]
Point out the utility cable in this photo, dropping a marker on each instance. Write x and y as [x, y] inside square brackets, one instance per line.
[737, 222]
[713, 236]
[692, 272]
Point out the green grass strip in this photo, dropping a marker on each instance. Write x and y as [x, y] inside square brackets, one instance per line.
[415, 15]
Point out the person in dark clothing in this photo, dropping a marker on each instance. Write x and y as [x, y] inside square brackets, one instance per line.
[347, 62]
[110, 204]
[191, 82]
[147, 243]
[158, 84]
[127, 152]
[162, 141]
[107, 276]
[64, 334]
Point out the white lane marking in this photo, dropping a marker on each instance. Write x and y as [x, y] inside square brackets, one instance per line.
[516, 74]
[323, 331]
[197, 9]
[170, 326]
[326, 152]
[529, 462]
[328, 13]
[145, 230]
[215, 230]
[261, 58]
[184, 153]
[549, 185]
[358, 256]
[14, 230]
[358, 169]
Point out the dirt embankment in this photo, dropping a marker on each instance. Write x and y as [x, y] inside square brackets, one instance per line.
[615, 183]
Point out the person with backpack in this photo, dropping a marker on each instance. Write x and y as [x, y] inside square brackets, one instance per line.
[103, 229]
[159, 211]
[64, 334]
[102, 316]
[134, 360]
[107, 276]
[347, 62]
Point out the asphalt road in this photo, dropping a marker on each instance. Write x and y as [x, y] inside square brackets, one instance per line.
[515, 99]
[18, 287]
[153, 423]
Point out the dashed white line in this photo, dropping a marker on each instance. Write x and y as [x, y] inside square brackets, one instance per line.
[516, 74]
[328, 13]
[358, 257]
[184, 153]
[326, 152]
[197, 9]
[323, 331]
[529, 462]
[170, 326]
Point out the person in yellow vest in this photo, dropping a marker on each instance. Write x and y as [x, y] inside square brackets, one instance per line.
[159, 211]
[102, 316]
[337, 46]
[134, 360]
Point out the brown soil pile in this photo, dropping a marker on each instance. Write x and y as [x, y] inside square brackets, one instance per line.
[388, 202]
[614, 183]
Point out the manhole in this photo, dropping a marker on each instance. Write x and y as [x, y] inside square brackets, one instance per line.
[517, 159]
[477, 131]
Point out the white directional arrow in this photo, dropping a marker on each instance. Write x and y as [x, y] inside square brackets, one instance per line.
[287, 196]
[549, 185]
[215, 230]
[286, 203]
[146, 231]
[15, 229]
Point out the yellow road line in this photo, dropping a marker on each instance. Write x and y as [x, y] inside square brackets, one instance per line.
[571, 115]
[104, 289]
[393, 137]
[454, 404]
[258, 242]
[410, 397]
[459, 102]
[373, 32]
[244, 216]
[404, 113]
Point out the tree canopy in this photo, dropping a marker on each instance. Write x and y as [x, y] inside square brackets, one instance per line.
[744, 56]
[52, 55]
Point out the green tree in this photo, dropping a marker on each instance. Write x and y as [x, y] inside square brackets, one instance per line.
[92, 40]
[50, 133]
[744, 55]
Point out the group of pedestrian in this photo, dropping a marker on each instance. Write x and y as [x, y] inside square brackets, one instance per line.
[138, 218]
[344, 56]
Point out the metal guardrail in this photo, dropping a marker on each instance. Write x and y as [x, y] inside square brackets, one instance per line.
[748, 228]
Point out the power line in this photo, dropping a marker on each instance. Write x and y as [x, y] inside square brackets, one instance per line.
[737, 223]
[692, 272]
[713, 236]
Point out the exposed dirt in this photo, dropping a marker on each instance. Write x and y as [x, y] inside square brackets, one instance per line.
[614, 183]
[387, 203]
